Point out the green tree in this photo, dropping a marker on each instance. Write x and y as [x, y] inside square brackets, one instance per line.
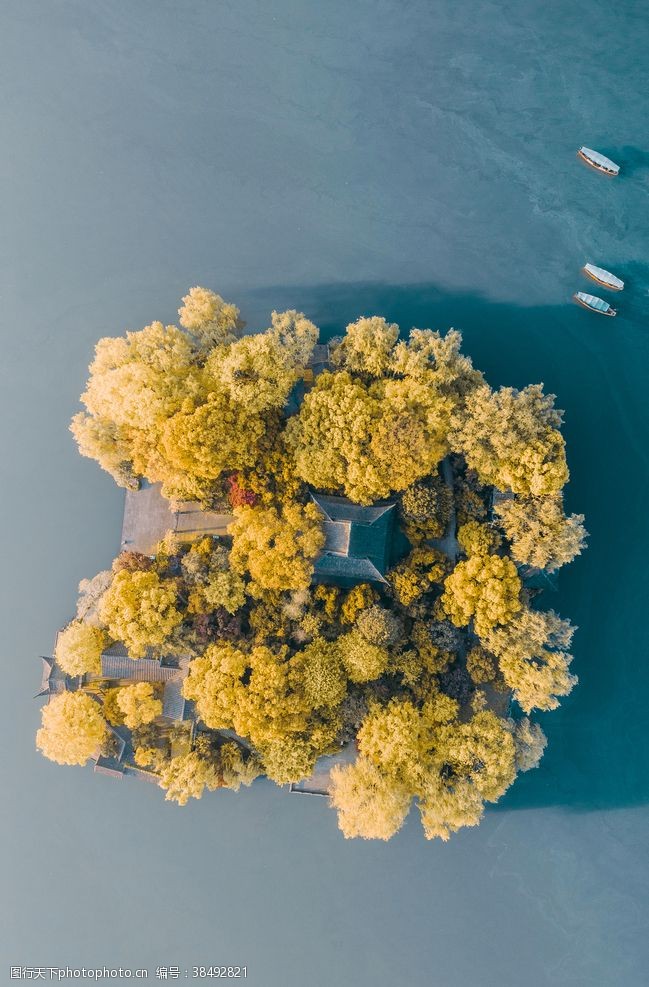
[72, 729]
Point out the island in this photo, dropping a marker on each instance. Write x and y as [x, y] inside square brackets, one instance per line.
[330, 574]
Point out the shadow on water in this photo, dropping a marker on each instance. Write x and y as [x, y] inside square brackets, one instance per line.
[598, 754]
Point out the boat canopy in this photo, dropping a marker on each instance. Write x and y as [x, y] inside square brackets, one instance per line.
[605, 276]
[593, 301]
[600, 159]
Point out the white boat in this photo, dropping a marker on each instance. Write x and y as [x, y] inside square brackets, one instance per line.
[598, 161]
[603, 277]
[594, 303]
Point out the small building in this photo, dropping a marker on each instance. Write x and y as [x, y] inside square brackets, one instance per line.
[118, 669]
[359, 541]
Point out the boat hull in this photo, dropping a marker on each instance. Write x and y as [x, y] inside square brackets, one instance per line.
[597, 167]
[604, 284]
[611, 312]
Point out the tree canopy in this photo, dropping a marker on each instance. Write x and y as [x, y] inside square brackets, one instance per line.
[421, 671]
[72, 730]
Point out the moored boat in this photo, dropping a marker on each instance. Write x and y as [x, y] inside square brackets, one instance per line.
[603, 277]
[598, 161]
[594, 303]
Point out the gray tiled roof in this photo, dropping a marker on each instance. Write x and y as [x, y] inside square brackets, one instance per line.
[109, 766]
[116, 666]
[342, 509]
[173, 701]
[358, 540]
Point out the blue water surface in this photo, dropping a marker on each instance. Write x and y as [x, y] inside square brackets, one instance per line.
[415, 160]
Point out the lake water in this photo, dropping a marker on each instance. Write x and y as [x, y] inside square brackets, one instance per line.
[414, 160]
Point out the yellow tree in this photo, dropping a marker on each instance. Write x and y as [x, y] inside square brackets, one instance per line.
[257, 694]
[367, 347]
[288, 759]
[418, 573]
[511, 439]
[533, 657]
[138, 704]
[211, 320]
[530, 742]
[540, 533]
[478, 539]
[437, 361]
[79, 647]
[367, 440]
[323, 677]
[187, 776]
[139, 609]
[277, 547]
[369, 804]
[485, 589]
[363, 661]
[204, 439]
[72, 730]
[259, 371]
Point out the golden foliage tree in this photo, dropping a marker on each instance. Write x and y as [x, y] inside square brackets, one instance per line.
[478, 539]
[288, 759]
[257, 694]
[485, 589]
[139, 609]
[323, 677]
[277, 547]
[258, 371]
[540, 533]
[529, 742]
[72, 730]
[369, 804]
[533, 657]
[367, 347]
[511, 439]
[211, 320]
[139, 704]
[367, 440]
[417, 574]
[79, 647]
[363, 661]
[437, 360]
[187, 776]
